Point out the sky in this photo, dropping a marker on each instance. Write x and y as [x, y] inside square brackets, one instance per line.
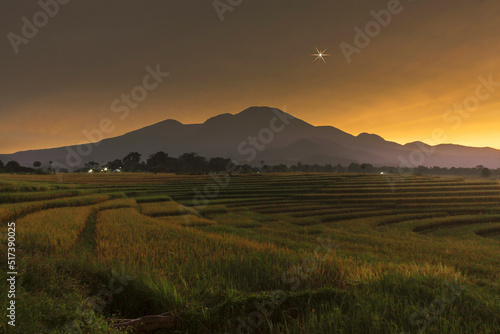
[427, 66]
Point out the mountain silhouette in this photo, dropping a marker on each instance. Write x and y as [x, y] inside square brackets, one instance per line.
[278, 138]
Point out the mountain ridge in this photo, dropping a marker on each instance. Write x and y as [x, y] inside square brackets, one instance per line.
[263, 133]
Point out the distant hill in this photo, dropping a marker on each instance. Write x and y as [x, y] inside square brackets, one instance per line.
[292, 140]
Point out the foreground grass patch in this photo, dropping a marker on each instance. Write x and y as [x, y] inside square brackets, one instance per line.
[294, 253]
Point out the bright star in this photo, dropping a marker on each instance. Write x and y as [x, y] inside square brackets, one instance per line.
[320, 55]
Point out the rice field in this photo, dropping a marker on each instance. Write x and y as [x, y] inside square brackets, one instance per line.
[260, 253]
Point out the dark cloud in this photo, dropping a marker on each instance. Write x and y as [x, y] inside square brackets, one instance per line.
[66, 78]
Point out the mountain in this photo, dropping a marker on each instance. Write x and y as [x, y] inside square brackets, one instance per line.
[262, 134]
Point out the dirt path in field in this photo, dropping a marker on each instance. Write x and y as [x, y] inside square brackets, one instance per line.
[86, 242]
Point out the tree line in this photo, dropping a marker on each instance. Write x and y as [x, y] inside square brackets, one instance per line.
[192, 163]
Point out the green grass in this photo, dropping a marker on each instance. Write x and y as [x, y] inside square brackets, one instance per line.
[347, 253]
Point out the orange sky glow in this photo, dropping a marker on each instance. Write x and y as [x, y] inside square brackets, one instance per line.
[404, 85]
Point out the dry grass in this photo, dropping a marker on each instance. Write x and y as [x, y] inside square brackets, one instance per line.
[158, 209]
[216, 260]
[188, 220]
[53, 231]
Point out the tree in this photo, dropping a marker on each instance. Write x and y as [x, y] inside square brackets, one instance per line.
[367, 168]
[158, 162]
[246, 169]
[279, 168]
[1, 164]
[339, 168]
[12, 167]
[91, 165]
[485, 172]
[192, 162]
[218, 164]
[329, 168]
[37, 164]
[354, 168]
[421, 170]
[131, 161]
[115, 164]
